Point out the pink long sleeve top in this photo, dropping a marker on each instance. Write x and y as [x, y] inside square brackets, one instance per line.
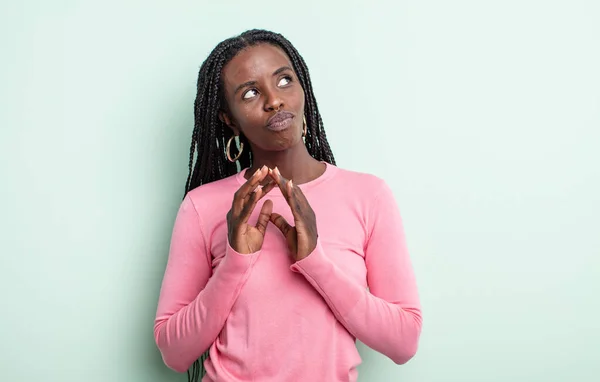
[264, 317]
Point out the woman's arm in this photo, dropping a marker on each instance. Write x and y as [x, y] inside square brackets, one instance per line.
[194, 303]
[388, 317]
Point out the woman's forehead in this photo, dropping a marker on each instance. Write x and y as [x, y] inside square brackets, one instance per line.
[253, 63]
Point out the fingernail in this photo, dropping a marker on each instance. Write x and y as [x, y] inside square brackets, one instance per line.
[256, 172]
[277, 170]
[263, 167]
[291, 184]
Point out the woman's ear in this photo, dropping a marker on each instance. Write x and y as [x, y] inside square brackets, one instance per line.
[230, 122]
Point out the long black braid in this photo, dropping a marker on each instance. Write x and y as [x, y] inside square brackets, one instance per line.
[209, 138]
[208, 161]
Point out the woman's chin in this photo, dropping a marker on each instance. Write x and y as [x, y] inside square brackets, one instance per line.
[283, 142]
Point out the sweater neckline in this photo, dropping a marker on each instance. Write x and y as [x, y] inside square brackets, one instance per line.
[328, 173]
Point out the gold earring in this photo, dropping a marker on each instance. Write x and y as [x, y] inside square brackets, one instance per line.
[304, 129]
[229, 146]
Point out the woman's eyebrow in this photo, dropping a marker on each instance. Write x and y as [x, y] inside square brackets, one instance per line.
[245, 84]
[282, 69]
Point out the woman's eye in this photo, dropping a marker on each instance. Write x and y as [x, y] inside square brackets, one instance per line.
[249, 94]
[284, 81]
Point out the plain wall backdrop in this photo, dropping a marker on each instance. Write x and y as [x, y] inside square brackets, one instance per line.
[483, 116]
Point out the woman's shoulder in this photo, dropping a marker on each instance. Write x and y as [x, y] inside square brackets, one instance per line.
[358, 179]
[211, 193]
[364, 188]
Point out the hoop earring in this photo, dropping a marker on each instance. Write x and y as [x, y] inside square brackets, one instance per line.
[229, 158]
[304, 129]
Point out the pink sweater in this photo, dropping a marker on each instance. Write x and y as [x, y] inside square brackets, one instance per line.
[265, 318]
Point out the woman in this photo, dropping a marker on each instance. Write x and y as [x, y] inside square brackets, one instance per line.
[270, 262]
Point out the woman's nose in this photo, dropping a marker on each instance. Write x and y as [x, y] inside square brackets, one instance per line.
[273, 101]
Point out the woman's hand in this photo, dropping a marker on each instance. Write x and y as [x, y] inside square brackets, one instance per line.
[302, 238]
[244, 238]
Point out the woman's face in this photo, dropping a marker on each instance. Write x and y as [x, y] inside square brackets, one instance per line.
[264, 98]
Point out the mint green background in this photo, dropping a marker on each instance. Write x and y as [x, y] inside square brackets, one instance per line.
[483, 116]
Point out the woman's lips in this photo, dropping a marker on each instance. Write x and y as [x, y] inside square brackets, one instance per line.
[280, 121]
[280, 125]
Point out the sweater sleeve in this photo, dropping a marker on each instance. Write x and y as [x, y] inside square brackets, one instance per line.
[387, 317]
[194, 301]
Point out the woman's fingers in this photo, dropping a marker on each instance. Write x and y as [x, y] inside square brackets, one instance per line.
[284, 184]
[252, 199]
[280, 222]
[293, 194]
[248, 207]
[288, 232]
[279, 179]
[293, 201]
[266, 188]
[248, 187]
[299, 199]
[265, 215]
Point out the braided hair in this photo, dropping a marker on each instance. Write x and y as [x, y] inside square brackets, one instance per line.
[208, 161]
